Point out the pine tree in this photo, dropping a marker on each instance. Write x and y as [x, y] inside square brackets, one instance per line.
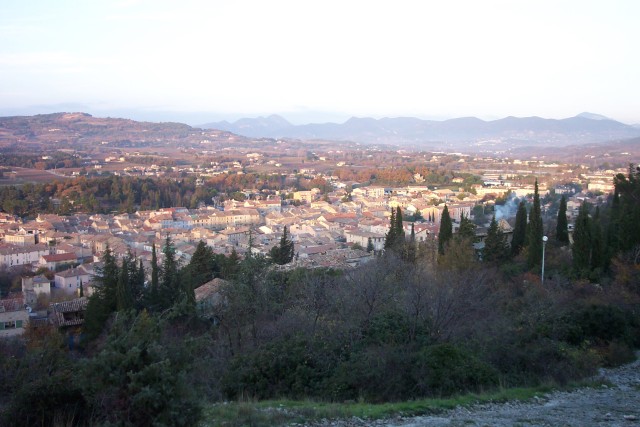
[519, 230]
[535, 232]
[446, 230]
[581, 248]
[562, 228]
[495, 245]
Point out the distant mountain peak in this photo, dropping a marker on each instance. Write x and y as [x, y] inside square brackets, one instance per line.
[592, 116]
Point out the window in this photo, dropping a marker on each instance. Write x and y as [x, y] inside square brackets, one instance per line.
[8, 325]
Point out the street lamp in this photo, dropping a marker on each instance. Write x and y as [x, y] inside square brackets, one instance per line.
[544, 243]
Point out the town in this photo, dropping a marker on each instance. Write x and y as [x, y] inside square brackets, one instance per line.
[345, 227]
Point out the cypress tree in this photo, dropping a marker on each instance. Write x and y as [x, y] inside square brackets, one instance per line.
[467, 229]
[230, 265]
[535, 232]
[562, 228]
[399, 228]
[390, 238]
[411, 249]
[629, 226]
[446, 230]
[154, 290]
[103, 301]
[201, 264]
[124, 300]
[370, 247]
[613, 228]
[597, 242]
[283, 252]
[495, 245]
[519, 230]
[581, 248]
[169, 289]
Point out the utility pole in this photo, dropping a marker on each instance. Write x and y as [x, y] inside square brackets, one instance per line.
[544, 243]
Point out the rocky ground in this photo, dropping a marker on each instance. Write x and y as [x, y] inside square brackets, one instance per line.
[616, 404]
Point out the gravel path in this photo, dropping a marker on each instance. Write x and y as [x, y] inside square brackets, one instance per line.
[614, 405]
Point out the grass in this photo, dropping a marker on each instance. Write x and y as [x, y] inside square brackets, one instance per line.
[282, 412]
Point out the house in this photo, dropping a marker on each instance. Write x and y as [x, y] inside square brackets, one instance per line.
[70, 279]
[32, 287]
[56, 261]
[11, 255]
[362, 238]
[13, 317]
[209, 297]
[69, 313]
[21, 238]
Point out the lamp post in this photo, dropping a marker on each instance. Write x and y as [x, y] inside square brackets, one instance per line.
[544, 243]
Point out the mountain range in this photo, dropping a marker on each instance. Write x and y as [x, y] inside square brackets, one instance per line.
[459, 132]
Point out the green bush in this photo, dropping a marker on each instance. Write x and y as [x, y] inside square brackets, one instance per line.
[375, 374]
[602, 324]
[138, 378]
[445, 369]
[290, 367]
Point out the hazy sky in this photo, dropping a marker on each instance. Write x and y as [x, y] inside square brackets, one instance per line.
[323, 59]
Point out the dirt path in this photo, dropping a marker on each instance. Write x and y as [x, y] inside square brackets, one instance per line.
[614, 405]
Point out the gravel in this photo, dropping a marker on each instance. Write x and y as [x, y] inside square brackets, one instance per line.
[616, 404]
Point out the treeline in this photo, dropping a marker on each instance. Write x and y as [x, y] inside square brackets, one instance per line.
[103, 195]
[128, 194]
[53, 160]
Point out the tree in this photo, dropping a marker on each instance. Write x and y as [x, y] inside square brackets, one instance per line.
[495, 245]
[446, 230]
[140, 376]
[154, 289]
[581, 248]
[169, 289]
[202, 264]
[467, 229]
[534, 232]
[562, 228]
[399, 227]
[411, 247]
[283, 252]
[392, 235]
[628, 189]
[103, 301]
[124, 298]
[520, 230]
[370, 247]
[597, 243]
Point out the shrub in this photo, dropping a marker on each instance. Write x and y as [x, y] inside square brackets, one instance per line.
[446, 369]
[138, 379]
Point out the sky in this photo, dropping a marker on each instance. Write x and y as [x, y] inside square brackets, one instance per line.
[315, 61]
